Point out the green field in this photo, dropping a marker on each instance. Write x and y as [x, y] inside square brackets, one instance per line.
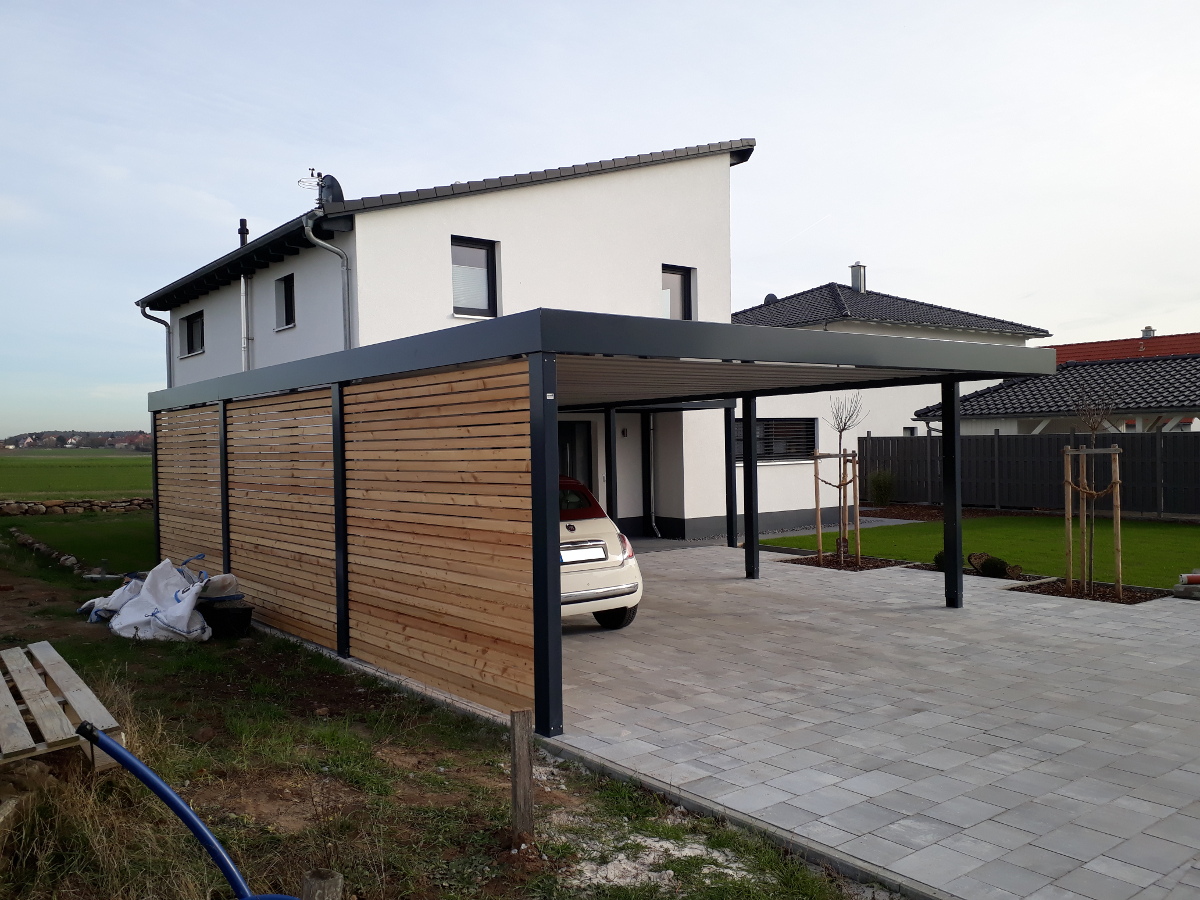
[125, 540]
[74, 474]
[1155, 553]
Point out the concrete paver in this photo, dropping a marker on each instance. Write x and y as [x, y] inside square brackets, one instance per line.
[1022, 747]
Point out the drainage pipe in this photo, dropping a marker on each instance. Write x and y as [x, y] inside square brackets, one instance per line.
[170, 348]
[309, 221]
[247, 334]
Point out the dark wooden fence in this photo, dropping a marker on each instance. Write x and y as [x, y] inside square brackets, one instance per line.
[1160, 473]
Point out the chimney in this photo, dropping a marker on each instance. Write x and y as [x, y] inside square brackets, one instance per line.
[243, 232]
[1147, 332]
[858, 277]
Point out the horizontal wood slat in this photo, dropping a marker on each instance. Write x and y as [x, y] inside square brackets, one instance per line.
[188, 462]
[439, 530]
[281, 510]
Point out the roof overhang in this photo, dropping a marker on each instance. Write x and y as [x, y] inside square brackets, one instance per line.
[273, 247]
[607, 360]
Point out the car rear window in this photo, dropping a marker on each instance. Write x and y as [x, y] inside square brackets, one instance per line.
[576, 502]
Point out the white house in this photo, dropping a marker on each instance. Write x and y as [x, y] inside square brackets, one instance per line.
[643, 235]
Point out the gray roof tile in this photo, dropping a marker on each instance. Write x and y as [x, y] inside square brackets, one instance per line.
[837, 301]
[1149, 384]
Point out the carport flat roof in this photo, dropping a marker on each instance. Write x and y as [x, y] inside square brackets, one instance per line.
[608, 360]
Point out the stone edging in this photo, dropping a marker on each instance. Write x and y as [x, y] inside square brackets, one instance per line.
[66, 560]
[58, 507]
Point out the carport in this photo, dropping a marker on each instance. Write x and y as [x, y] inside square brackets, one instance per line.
[398, 503]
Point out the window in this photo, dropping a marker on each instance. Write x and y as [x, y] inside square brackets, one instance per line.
[910, 430]
[676, 292]
[474, 268]
[285, 302]
[780, 439]
[191, 334]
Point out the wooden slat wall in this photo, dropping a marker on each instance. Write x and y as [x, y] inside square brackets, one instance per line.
[281, 510]
[440, 530]
[187, 444]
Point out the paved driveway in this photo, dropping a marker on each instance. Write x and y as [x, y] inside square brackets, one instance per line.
[1024, 746]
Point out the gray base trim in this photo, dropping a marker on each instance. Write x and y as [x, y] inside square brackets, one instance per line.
[703, 527]
[809, 850]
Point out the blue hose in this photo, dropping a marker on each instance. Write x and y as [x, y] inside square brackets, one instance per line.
[146, 776]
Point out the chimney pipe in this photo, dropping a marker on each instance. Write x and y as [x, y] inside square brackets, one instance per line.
[243, 232]
[858, 277]
[1147, 332]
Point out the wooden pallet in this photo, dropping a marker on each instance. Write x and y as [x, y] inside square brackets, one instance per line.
[42, 701]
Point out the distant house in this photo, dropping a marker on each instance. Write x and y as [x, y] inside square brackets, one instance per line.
[1158, 393]
[1149, 344]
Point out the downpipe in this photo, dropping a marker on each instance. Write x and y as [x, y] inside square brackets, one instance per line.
[170, 347]
[309, 221]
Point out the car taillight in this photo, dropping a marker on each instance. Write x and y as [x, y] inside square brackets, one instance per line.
[626, 547]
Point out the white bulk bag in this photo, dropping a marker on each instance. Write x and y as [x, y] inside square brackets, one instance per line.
[164, 609]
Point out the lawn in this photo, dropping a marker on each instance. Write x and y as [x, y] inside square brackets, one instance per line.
[296, 763]
[1155, 553]
[74, 474]
[125, 540]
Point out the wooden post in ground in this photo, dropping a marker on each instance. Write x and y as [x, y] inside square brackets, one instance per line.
[1116, 480]
[857, 520]
[1084, 579]
[521, 736]
[321, 884]
[817, 508]
[1068, 500]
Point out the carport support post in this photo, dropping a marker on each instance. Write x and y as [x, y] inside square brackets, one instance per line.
[750, 485]
[731, 529]
[610, 464]
[952, 542]
[547, 597]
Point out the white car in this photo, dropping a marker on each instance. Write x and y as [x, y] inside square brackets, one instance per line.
[599, 574]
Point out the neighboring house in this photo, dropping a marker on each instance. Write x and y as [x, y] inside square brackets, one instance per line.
[791, 427]
[1149, 344]
[1160, 393]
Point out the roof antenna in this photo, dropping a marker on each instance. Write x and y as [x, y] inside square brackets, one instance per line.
[327, 187]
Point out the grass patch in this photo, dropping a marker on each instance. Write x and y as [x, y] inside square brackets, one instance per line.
[126, 540]
[1154, 552]
[74, 474]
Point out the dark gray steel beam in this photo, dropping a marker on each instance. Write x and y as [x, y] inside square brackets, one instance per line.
[647, 474]
[566, 331]
[223, 437]
[731, 529]
[154, 485]
[610, 463]
[341, 553]
[952, 540]
[750, 484]
[547, 596]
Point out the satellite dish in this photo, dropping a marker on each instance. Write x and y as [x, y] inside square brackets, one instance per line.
[331, 191]
[770, 298]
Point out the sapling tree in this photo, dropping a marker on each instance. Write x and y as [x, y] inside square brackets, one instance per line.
[846, 413]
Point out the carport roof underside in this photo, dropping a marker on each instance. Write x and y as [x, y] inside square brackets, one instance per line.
[606, 360]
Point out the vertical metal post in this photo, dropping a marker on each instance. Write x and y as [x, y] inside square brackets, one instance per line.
[929, 463]
[341, 552]
[154, 484]
[750, 483]
[996, 463]
[952, 541]
[610, 464]
[647, 477]
[223, 437]
[731, 529]
[1158, 470]
[547, 596]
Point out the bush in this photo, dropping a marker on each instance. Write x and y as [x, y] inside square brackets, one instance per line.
[993, 567]
[882, 487]
[939, 561]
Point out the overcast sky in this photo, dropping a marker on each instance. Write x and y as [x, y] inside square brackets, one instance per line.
[1036, 161]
